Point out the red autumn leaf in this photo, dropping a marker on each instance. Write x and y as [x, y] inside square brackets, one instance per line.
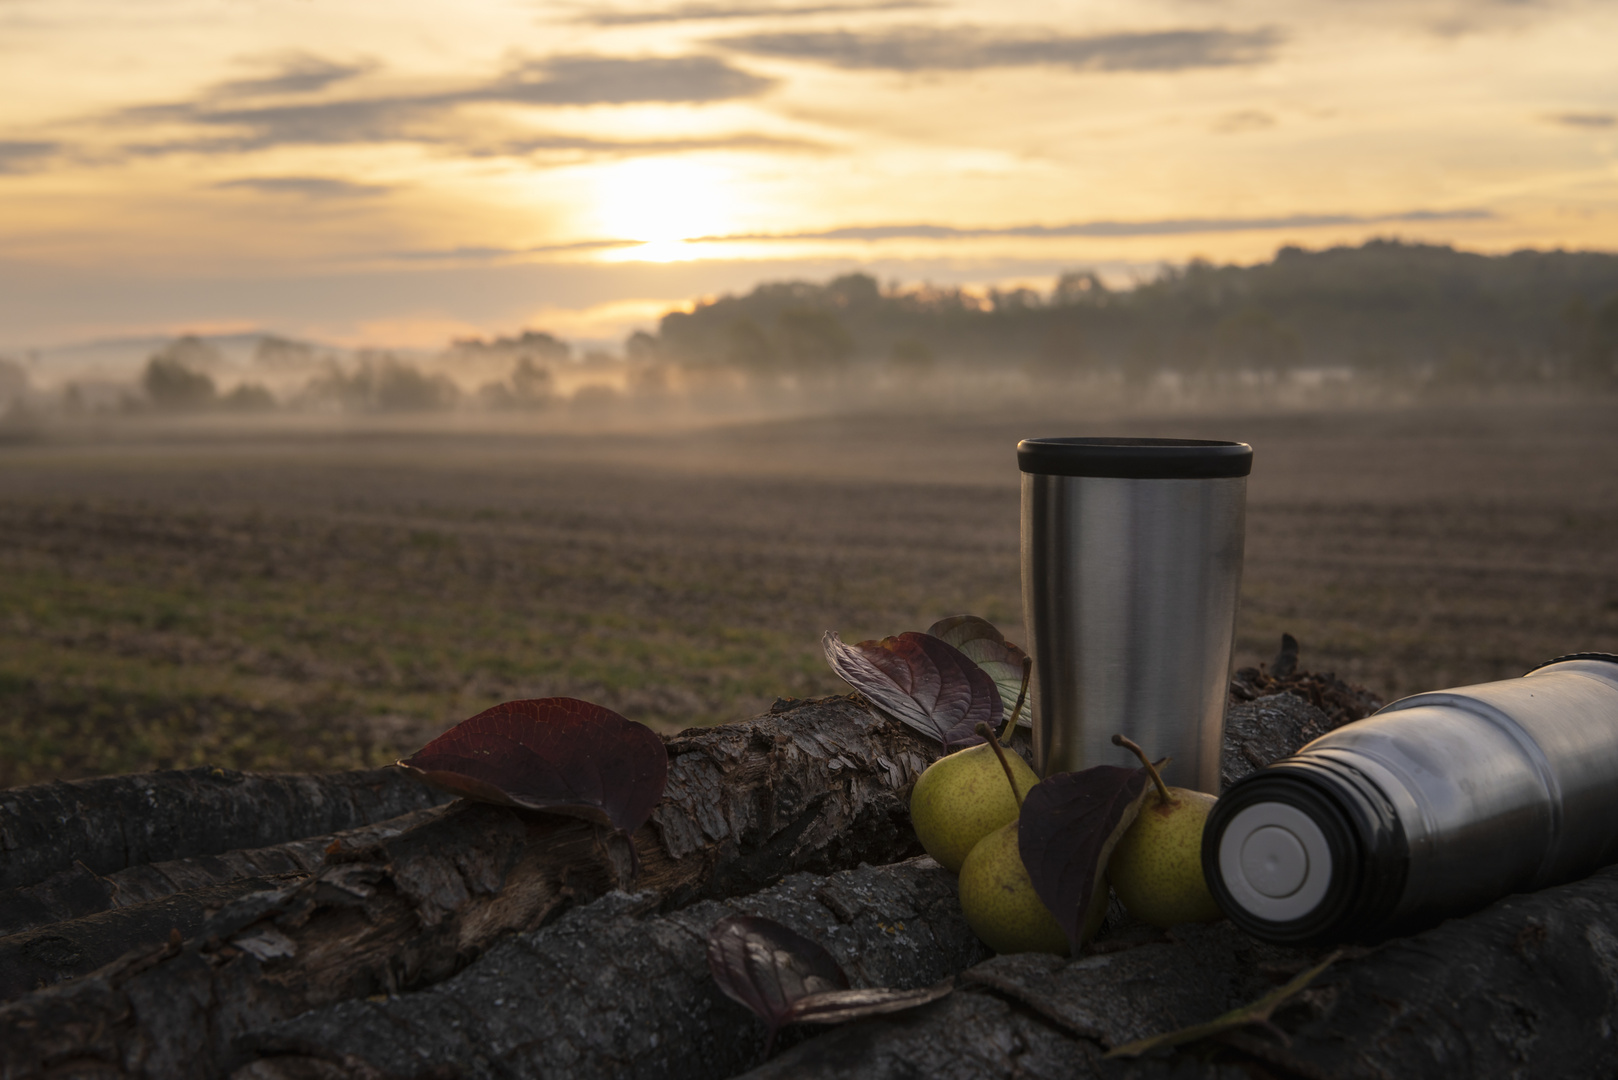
[922, 681]
[983, 644]
[1069, 825]
[555, 754]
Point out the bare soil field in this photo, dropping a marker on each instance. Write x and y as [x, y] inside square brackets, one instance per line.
[323, 597]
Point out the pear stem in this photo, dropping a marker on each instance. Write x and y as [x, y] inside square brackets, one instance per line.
[988, 736]
[1129, 744]
[1022, 696]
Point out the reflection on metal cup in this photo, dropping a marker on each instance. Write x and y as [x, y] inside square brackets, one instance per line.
[1131, 569]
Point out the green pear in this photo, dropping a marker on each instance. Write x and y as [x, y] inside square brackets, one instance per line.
[963, 797]
[998, 897]
[1000, 903]
[1157, 866]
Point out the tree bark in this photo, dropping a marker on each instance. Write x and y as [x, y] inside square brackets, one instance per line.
[114, 822]
[77, 921]
[1527, 987]
[819, 787]
[609, 992]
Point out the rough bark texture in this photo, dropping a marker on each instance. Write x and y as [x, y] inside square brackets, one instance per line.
[1268, 729]
[77, 921]
[1339, 701]
[1525, 988]
[818, 787]
[79, 891]
[606, 993]
[114, 822]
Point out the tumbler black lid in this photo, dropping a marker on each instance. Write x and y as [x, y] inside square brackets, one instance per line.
[1135, 459]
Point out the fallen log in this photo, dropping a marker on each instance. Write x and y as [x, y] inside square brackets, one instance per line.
[113, 822]
[1527, 987]
[77, 921]
[818, 786]
[609, 991]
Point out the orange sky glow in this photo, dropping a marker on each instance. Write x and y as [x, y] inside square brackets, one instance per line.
[397, 174]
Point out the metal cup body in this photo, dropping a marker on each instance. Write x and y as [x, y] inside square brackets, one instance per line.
[1130, 589]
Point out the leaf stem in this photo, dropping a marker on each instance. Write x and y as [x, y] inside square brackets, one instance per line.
[1130, 744]
[1022, 696]
[988, 736]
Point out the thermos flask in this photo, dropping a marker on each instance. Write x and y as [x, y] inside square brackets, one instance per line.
[1434, 806]
[1131, 567]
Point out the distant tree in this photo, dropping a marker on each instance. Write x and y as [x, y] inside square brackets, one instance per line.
[400, 387]
[249, 397]
[1013, 300]
[530, 383]
[642, 348]
[812, 339]
[381, 382]
[274, 353]
[1064, 352]
[1597, 358]
[542, 347]
[1078, 287]
[13, 380]
[911, 358]
[192, 352]
[854, 290]
[748, 348]
[1252, 338]
[170, 384]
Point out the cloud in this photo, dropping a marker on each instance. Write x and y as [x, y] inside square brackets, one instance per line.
[965, 48]
[18, 156]
[611, 80]
[299, 73]
[488, 254]
[610, 147]
[308, 187]
[1585, 120]
[702, 12]
[427, 118]
[1169, 227]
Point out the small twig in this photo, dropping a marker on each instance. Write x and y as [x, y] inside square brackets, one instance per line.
[1010, 727]
[987, 732]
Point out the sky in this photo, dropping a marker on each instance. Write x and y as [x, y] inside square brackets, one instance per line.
[398, 174]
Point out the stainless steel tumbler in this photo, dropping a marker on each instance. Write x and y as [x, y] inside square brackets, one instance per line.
[1131, 567]
[1432, 807]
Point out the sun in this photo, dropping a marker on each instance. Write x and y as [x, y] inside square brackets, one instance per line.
[663, 202]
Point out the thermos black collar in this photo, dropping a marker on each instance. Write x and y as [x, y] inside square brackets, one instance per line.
[1135, 459]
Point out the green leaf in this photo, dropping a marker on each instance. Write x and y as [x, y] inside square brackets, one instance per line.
[989, 649]
[1258, 1012]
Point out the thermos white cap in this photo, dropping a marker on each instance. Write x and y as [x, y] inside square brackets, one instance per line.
[1275, 861]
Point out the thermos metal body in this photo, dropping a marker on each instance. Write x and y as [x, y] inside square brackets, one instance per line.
[1435, 806]
[1131, 563]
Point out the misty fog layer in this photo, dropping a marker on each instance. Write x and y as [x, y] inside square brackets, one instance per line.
[1386, 315]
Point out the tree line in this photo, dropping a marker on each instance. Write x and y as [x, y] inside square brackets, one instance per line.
[1383, 308]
